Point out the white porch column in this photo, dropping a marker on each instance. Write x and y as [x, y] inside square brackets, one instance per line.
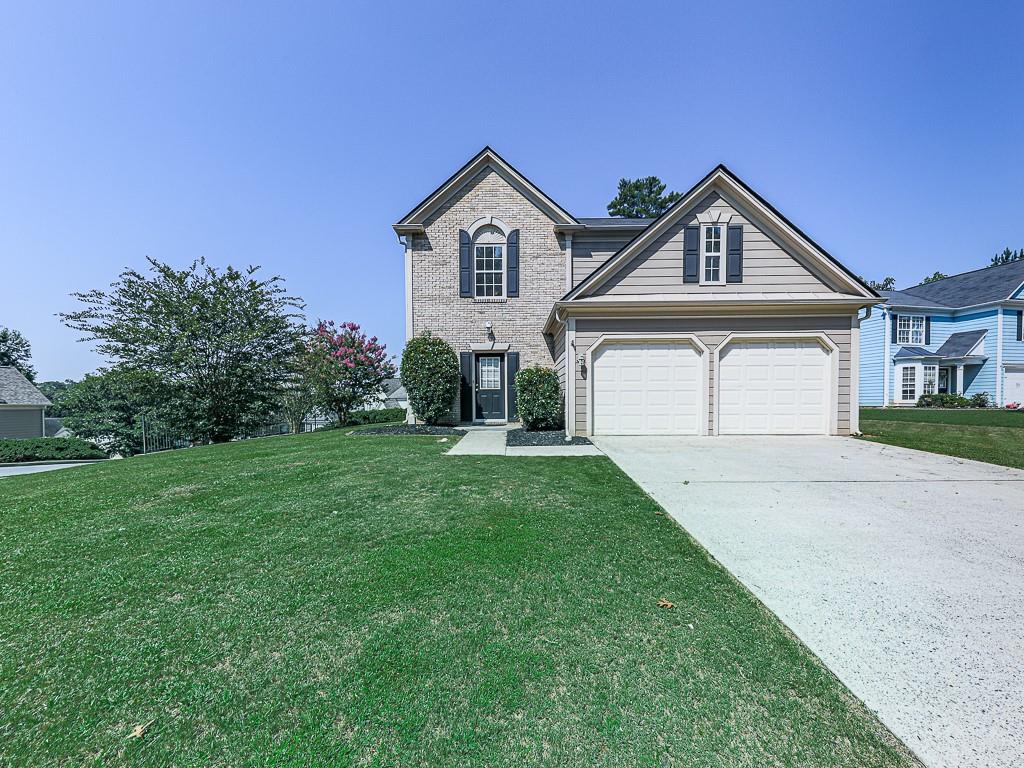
[570, 376]
[408, 287]
[959, 379]
[887, 358]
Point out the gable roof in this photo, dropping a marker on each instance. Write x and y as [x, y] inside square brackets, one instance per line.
[15, 389]
[722, 178]
[904, 299]
[979, 286]
[960, 344]
[414, 220]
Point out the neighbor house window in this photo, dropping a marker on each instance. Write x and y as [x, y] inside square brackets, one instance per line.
[910, 329]
[909, 383]
[489, 263]
[711, 250]
[930, 379]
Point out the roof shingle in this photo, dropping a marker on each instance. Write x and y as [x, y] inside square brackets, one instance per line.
[15, 389]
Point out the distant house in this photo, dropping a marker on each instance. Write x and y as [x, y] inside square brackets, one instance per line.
[54, 427]
[393, 395]
[22, 406]
[962, 334]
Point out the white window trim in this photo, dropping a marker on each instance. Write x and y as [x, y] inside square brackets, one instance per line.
[910, 330]
[899, 382]
[504, 271]
[723, 237]
[924, 378]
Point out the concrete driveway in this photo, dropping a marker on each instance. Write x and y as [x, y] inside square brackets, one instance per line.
[903, 571]
[31, 469]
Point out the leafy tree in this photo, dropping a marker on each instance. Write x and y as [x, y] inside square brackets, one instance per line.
[642, 198]
[298, 397]
[16, 351]
[430, 375]
[218, 342]
[934, 277]
[106, 408]
[1007, 256]
[888, 284]
[55, 391]
[345, 367]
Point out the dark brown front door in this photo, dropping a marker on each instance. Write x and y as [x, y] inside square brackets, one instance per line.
[490, 387]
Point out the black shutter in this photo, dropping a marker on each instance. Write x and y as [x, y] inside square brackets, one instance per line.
[465, 265]
[734, 255]
[512, 368]
[1020, 325]
[513, 263]
[927, 331]
[466, 386]
[895, 318]
[691, 255]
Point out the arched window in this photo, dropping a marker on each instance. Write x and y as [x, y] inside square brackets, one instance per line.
[489, 262]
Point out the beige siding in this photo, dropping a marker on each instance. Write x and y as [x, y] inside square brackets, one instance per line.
[711, 331]
[559, 355]
[767, 267]
[592, 249]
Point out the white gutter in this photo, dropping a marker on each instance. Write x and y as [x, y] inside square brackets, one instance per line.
[999, 358]
[887, 355]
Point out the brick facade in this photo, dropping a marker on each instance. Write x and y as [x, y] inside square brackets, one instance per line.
[518, 322]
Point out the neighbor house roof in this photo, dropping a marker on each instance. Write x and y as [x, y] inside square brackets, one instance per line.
[391, 386]
[960, 344]
[980, 286]
[15, 389]
[904, 299]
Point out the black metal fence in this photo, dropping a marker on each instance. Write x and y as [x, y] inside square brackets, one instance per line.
[156, 436]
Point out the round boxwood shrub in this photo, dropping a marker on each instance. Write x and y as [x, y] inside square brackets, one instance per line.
[430, 375]
[539, 398]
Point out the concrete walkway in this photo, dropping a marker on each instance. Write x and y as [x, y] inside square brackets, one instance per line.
[902, 570]
[31, 469]
[490, 441]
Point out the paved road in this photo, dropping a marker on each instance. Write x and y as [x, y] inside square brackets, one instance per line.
[903, 571]
[33, 468]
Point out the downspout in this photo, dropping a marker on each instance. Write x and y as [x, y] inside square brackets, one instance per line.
[886, 357]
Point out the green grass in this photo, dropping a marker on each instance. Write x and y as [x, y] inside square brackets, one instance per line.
[327, 600]
[995, 436]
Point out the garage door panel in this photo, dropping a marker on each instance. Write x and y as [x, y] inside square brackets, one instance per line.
[776, 387]
[647, 388]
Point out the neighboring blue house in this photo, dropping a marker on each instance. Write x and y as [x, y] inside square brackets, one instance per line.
[961, 334]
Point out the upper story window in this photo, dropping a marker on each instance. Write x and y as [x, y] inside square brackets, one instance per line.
[910, 329]
[489, 263]
[711, 254]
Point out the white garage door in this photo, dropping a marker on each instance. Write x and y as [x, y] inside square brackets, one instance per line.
[773, 388]
[647, 389]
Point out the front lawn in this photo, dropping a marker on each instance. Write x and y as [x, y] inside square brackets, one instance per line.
[992, 435]
[334, 600]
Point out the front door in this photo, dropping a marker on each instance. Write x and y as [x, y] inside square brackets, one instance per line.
[490, 387]
[943, 381]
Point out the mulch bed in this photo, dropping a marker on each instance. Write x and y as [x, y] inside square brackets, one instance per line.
[522, 437]
[410, 429]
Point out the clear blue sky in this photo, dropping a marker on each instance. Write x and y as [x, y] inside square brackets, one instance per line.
[293, 135]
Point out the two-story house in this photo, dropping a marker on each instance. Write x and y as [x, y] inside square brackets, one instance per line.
[719, 317]
[961, 334]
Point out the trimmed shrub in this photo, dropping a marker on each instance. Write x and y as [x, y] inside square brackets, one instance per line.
[980, 400]
[48, 449]
[943, 400]
[379, 416]
[430, 375]
[539, 398]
